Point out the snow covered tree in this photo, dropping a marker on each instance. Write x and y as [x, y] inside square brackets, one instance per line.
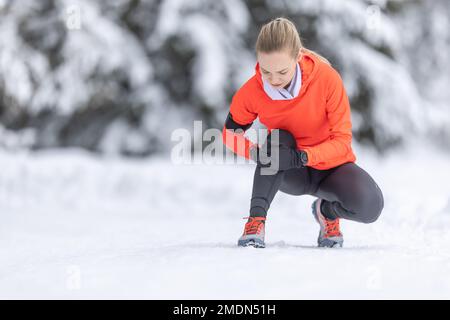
[118, 76]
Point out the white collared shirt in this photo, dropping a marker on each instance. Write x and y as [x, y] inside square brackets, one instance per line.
[285, 94]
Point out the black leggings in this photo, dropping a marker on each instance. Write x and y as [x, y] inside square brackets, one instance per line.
[348, 191]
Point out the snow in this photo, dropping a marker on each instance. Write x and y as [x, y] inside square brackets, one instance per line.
[213, 37]
[78, 226]
[75, 225]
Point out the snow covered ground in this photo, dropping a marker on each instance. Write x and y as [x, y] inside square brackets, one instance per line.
[77, 226]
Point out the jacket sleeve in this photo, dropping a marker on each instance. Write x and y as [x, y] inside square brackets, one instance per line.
[239, 119]
[338, 113]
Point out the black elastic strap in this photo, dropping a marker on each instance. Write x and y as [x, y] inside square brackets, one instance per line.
[231, 124]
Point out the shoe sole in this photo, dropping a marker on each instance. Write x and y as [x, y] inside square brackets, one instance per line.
[256, 243]
[327, 243]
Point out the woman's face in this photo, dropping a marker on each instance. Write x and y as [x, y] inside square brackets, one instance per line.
[277, 68]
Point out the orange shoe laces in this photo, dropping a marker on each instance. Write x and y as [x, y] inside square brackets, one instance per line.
[332, 228]
[254, 225]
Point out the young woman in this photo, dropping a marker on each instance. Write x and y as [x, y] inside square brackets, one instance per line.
[299, 96]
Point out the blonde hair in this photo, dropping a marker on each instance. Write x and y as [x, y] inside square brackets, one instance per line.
[280, 34]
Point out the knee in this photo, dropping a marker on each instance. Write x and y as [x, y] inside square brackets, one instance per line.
[370, 216]
[367, 206]
[373, 206]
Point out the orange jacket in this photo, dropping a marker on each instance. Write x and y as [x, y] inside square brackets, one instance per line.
[319, 117]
